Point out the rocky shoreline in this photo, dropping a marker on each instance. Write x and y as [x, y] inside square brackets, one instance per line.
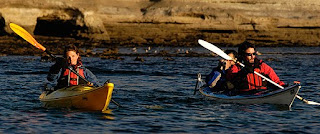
[119, 23]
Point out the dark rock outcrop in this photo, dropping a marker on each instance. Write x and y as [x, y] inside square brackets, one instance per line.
[70, 22]
[2, 25]
[62, 23]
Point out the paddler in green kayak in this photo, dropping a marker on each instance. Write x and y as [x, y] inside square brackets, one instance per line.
[61, 72]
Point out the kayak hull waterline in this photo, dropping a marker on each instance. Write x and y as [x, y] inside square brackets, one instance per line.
[79, 97]
[284, 96]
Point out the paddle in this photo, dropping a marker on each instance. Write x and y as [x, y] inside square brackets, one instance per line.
[28, 37]
[222, 54]
[198, 79]
[195, 88]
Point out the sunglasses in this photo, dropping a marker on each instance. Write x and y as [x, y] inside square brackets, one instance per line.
[250, 54]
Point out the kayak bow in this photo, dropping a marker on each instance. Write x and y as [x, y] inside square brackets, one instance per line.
[79, 97]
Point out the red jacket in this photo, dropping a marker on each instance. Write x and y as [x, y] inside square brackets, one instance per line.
[251, 81]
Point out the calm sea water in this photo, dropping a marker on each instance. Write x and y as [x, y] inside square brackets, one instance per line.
[157, 97]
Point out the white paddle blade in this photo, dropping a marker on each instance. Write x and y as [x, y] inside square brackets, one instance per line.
[313, 103]
[306, 101]
[214, 49]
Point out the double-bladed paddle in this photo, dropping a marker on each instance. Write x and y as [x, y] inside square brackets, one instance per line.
[28, 37]
[222, 54]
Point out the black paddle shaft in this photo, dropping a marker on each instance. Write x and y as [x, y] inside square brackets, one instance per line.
[78, 74]
[51, 55]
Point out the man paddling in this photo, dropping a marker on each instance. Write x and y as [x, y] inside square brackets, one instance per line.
[244, 79]
[61, 70]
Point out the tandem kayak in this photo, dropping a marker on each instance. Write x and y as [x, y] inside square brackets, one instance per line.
[284, 96]
[79, 97]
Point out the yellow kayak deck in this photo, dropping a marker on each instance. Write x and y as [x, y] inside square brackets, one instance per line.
[79, 97]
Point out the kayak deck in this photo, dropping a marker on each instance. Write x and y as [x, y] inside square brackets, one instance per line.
[79, 97]
[284, 96]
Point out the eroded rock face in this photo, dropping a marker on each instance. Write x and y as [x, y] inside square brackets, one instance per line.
[62, 23]
[71, 22]
[171, 22]
[94, 28]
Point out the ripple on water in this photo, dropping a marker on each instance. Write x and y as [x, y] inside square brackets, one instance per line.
[157, 97]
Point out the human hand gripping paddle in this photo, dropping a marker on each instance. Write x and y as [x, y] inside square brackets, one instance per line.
[28, 37]
[222, 54]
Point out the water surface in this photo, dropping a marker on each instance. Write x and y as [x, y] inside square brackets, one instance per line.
[157, 97]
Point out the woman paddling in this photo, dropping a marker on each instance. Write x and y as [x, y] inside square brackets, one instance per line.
[61, 72]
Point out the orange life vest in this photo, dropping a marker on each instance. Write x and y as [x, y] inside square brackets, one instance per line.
[254, 81]
[72, 78]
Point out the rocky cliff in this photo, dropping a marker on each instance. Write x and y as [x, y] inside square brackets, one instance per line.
[167, 22]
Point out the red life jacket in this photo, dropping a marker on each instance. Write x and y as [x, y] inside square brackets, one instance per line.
[254, 81]
[72, 78]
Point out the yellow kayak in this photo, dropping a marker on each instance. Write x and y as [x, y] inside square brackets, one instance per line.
[79, 97]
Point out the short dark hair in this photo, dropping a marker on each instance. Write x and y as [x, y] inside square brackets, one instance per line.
[232, 52]
[243, 47]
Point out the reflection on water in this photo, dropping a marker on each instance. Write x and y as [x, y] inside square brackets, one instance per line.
[157, 96]
[108, 115]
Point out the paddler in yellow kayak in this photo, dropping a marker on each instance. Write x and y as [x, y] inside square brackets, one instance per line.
[61, 72]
